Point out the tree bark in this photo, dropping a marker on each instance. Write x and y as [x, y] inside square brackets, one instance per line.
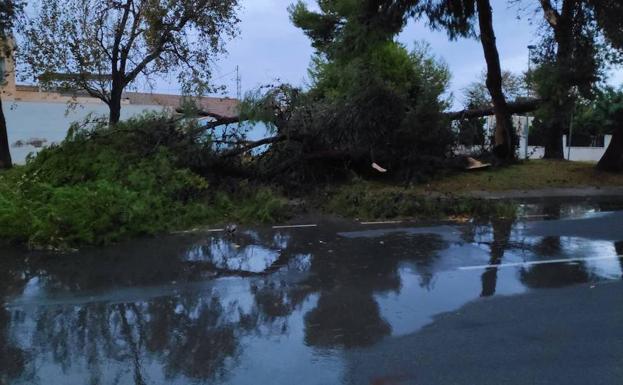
[250, 146]
[504, 131]
[613, 158]
[114, 104]
[5, 154]
[520, 107]
[501, 236]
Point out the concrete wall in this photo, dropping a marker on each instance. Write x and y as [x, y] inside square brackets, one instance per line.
[44, 120]
[578, 154]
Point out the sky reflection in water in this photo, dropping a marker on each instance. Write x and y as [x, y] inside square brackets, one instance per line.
[266, 306]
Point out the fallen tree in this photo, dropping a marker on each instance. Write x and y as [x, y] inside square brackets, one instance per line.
[243, 146]
[520, 107]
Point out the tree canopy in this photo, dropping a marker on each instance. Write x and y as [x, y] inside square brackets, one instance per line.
[103, 46]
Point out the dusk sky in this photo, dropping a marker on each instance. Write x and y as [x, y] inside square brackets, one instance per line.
[269, 47]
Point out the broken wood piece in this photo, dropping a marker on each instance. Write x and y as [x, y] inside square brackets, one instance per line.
[378, 168]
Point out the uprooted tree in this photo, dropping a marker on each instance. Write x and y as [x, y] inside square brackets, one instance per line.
[101, 46]
[370, 101]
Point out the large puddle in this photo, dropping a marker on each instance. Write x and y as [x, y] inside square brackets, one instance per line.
[277, 306]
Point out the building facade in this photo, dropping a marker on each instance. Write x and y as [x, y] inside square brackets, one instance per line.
[37, 117]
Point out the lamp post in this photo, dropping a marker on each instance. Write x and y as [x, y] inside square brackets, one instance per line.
[531, 47]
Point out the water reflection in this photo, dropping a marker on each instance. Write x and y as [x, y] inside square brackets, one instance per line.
[501, 236]
[208, 309]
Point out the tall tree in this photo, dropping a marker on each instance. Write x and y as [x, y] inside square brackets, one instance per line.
[582, 37]
[458, 17]
[505, 136]
[9, 10]
[559, 71]
[102, 46]
[609, 15]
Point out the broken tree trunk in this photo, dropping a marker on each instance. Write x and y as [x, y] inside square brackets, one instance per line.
[521, 107]
[613, 158]
[220, 120]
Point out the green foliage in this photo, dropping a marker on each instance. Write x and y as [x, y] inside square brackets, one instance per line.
[370, 100]
[104, 184]
[9, 10]
[100, 47]
[599, 116]
[471, 132]
[477, 95]
[591, 118]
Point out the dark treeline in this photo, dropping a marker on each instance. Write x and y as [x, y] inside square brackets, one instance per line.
[371, 99]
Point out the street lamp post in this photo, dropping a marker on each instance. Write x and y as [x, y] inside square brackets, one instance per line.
[528, 94]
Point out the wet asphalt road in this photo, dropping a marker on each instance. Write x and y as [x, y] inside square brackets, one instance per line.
[565, 336]
[534, 300]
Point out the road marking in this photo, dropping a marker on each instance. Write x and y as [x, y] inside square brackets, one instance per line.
[293, 226]
[535, 216]
[549, 261]
[193, 231]
[380, 223]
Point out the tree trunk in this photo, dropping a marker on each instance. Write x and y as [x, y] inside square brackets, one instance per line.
[5, 154]
[553, 137]
[115, 103]
[504, 131]
[501, 236]
[561, 103]
[520, 107]
[613, 158]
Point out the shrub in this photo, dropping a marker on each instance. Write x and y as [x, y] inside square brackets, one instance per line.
[104, 184]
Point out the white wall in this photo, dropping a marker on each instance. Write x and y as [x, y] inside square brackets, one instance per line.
[50, 121]
[578, 154]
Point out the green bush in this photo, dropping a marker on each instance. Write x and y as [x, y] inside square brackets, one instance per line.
[104, 184]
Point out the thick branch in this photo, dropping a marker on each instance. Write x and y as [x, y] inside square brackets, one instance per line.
[158, 49]
[134, 33]
[551, 15]
[220, 119]
[118, 35]
[514, 108]
[250, 146]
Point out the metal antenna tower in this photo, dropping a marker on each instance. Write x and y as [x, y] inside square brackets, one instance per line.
[238, 84]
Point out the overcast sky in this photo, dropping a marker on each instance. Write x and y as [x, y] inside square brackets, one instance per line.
[270, 48]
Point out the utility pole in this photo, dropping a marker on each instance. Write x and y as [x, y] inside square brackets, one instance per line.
[238, 84]
[528, 94]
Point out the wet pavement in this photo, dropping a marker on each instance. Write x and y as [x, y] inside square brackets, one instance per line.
[533, 300]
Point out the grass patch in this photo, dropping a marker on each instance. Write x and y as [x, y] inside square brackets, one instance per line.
[528, 175]
[449, 196]
[369, 201]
